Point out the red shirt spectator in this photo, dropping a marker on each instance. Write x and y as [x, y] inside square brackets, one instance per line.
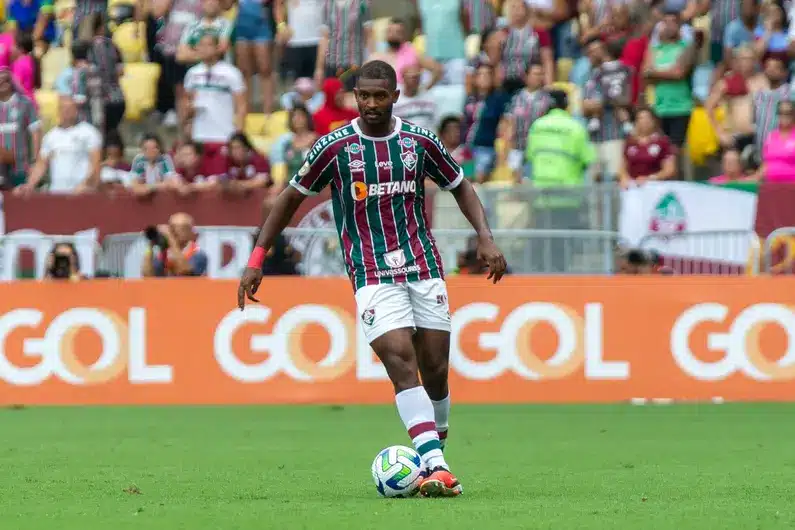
[648, 155]
[632, 56]
[245, 167]
[191, 166]
[332, 115]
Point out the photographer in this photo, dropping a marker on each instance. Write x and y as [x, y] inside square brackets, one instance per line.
[63, 263]
[173, 250]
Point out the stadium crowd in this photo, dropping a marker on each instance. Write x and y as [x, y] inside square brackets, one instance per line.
[640, 76]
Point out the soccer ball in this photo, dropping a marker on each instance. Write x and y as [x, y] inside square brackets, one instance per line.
[396, 471]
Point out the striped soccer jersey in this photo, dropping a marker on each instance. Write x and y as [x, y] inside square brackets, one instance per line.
[378, 197]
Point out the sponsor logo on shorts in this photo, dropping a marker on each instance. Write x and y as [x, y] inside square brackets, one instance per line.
[368, 316]
[398, 271]
[441, 299]
[360, 191]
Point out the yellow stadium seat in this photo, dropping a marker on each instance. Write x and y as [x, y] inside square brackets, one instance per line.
[131, 45]
[48, 107]
[279, 174]
[575, 101]
[379, 29]
[563, 67]
[472, 46]
[419, 44]
[255, 124]
[139, 84]
[262, 143]
[278, 123]
[52, 64]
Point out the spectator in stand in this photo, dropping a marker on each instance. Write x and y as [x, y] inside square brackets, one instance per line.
[490, 53]
[153, 169]
[445, 25]
[617, 29]
[246, 169]
[480, 15]
[254, 44]
[450, 135]
[114, 170]
[648, 154]
[522, 45]
[20, 132]
[400, 53]
[83, 10]
[173, 250]
[605, 101]
[733, 170]
[333, 115]
[293, 147]
[169, 18]
[63, 263]
[778, 154]
[525, 108]
[191, 169]
[635, 49]
[107, 60]
[23, 65]
[742, 31]
[416, 104]
[483, 112]
[345, 40]
[71, 152]
[668, 67]
[304, 94]
[212, 22]
[302, 35]
[82, 83]
[34, 17]
[721, 12]
[766, 101]
[736, 90]
[216, 101]
[772, 38]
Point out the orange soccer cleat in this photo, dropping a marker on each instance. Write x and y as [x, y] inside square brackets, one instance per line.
[441, 483]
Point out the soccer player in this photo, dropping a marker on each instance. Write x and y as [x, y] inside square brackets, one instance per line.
[376, 166]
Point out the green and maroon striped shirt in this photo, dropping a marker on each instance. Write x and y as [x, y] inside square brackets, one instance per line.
[378, 196]
[18, 119]
[345, 21]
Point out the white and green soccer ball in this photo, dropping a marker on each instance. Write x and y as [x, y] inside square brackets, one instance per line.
[397, 471]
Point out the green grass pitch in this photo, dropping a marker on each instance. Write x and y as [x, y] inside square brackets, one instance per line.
[612, 467]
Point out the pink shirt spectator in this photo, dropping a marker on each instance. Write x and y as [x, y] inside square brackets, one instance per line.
[405, 56]
[7, 43]
[24, 72]
[778, 157]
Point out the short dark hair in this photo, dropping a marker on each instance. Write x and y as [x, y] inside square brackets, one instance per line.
[560, 100]
[197, 147]
[114, 139]
[645, 108]
[25, 41]
[152, 137]
[447, 121]
[615, 48]
[80, 50]
[379, 70]
[397, 20]
[243, 139]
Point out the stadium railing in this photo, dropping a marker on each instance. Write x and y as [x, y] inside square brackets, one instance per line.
[778, 256]
[25, 254]
[717, 252]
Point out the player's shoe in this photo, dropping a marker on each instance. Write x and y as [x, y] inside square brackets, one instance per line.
[441, 483]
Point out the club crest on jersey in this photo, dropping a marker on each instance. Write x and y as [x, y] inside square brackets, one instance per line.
[354, 149]
[368, 316]
[360, 191]
[409, 160]
[304, 170]
[395, 259]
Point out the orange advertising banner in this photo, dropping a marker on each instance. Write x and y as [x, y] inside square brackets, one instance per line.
[605, 339]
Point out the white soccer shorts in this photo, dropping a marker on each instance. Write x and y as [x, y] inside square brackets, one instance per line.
[421, 304]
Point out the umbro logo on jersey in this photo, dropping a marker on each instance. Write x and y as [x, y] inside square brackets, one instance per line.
[356, 166]
[360, 191]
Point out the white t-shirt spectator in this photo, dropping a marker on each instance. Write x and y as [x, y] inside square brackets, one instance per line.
[214, 90]
[420, 109]
[305, 18]
[69, 151]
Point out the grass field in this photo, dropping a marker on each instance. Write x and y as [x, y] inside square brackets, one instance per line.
[608, 467]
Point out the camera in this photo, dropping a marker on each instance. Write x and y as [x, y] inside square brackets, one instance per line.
[62, 267]
[156, 239]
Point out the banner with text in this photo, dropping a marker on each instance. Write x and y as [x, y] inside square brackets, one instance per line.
[526, 340]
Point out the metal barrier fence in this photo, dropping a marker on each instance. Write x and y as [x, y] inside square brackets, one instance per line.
[778, 256]
[727, 252]
[523, 206]
[14, 247]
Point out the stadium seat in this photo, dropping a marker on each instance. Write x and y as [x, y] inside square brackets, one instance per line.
[47, 101]
[255, 124]
[419, 44]
[131, 46]
[139, 84]
[472, 46]
[563, 68]
[277, 123]
[52, 64]
[279, 174]
[262, 143]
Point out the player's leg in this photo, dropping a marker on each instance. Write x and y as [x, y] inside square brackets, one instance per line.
[433, 357]
[388, 324]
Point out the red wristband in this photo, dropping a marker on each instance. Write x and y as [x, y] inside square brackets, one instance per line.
[257, 258]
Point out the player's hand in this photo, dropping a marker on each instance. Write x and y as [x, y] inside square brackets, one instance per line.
[489, 253]
[249, 283]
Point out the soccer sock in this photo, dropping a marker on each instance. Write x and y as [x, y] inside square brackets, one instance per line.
[441, 411]
[416, 411]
